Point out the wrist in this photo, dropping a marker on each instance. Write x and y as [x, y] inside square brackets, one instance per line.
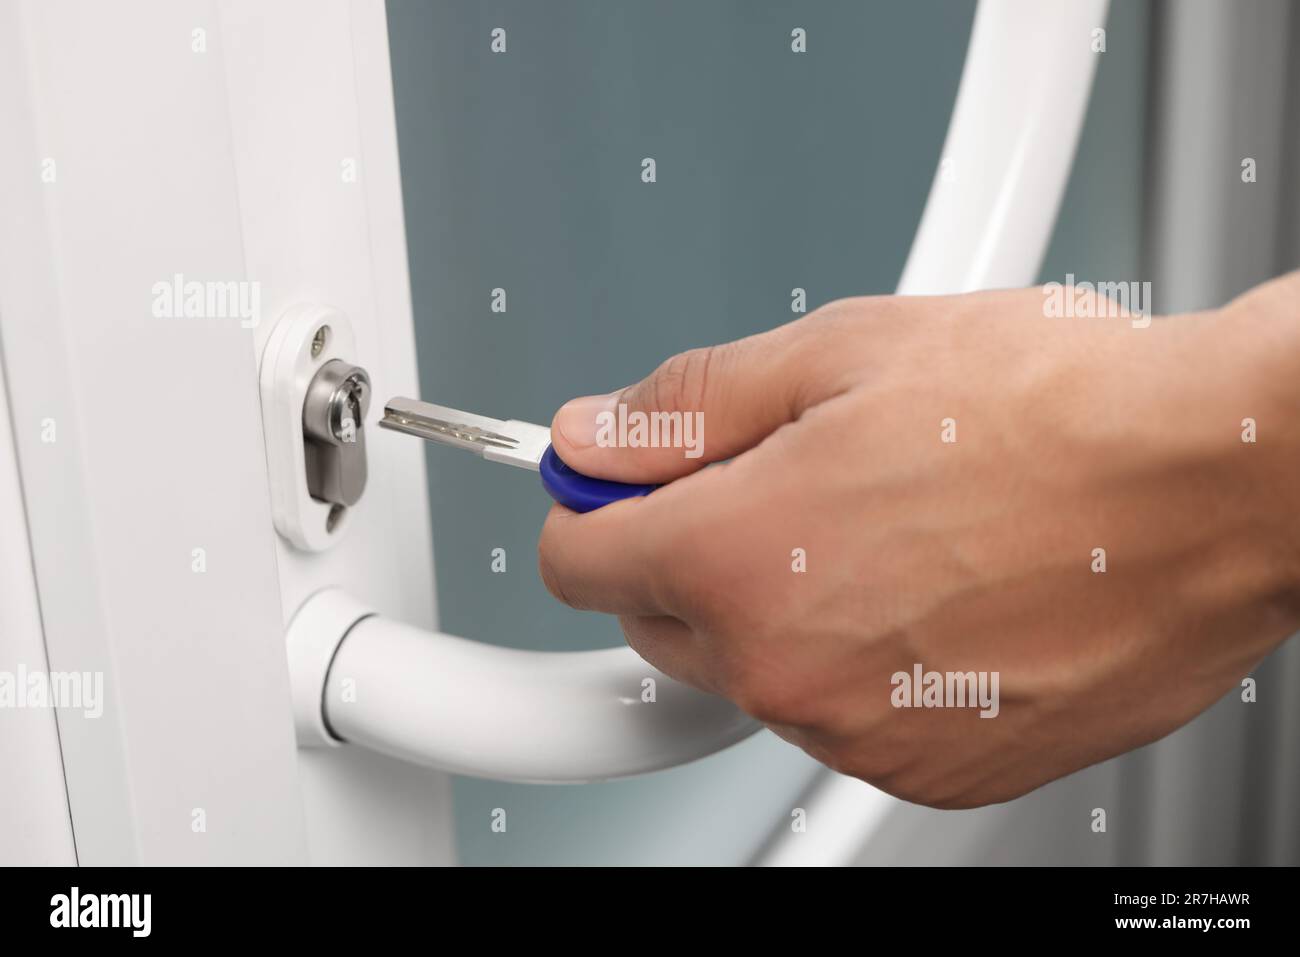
[1258, 334]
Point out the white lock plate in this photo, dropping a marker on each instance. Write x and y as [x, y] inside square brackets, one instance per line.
[305, 338]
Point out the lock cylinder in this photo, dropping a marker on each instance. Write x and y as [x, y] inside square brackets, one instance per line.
[315, 398]
[334, 440]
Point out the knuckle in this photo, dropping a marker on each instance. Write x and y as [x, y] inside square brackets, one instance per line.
[851, 767]
[550, 575]
[549, 578]
[876, 766]
[765, 693]
[940, 784]
[681, 382]
[931, 793]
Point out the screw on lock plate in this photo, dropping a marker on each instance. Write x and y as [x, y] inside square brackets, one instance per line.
[333, 416]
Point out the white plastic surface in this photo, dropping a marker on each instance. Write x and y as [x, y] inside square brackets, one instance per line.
[1010, 145]
[139, 433]
[35, 827]
[310, 89]
[482, 710]
[311, 641]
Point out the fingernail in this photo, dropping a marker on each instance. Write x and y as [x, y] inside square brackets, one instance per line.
[578, 419]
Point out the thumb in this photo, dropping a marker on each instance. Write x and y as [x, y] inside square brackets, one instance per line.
[700, 406]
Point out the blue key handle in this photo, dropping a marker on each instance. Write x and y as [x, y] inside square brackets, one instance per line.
[582, 493]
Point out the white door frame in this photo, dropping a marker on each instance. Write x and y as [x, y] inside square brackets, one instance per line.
[217, 141]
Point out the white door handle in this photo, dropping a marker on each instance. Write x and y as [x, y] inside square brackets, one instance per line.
[1010, 145]
[478, 709]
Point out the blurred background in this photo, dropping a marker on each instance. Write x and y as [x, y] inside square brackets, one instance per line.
[775, 170]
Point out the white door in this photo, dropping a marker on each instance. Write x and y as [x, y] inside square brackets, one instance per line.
[247, 148]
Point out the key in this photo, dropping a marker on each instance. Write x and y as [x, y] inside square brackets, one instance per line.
[521, 444]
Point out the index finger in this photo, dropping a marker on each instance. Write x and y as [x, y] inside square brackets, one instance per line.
[602, 560]
[623, 558]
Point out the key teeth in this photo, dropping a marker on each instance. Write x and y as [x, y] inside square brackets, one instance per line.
[422, 426]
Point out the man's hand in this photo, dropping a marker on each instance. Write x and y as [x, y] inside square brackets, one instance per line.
[950, 468]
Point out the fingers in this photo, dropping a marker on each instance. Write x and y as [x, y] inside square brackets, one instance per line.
[625, 558]
[586, 563]
[671, 646]
[601, 561]
[654, 431]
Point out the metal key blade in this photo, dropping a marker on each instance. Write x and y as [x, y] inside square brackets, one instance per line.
[511, 441]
